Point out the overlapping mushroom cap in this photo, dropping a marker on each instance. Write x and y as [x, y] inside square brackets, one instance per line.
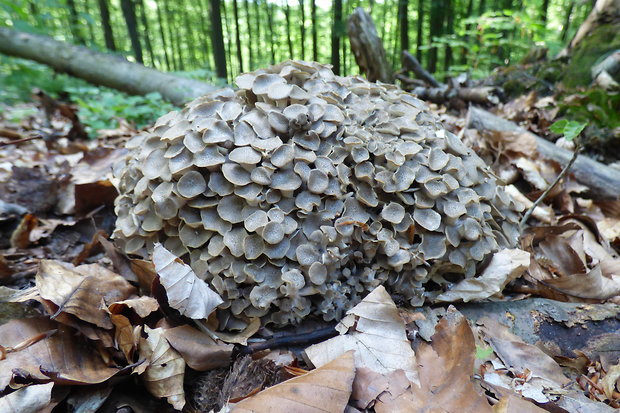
[302, 190]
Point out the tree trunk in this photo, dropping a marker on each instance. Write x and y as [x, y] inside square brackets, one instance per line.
[543, 12]
[270, 40]
[217, 39]
[227, 30]
[238, 35]
[257, 26]
[315, 40]
[337, 23]
[246, 5]
[146, 33]
[420, 37]
[163, 37]
[567, 18]
[203, 38]
[468, 26]
[100, 68]
[129, 12]
[172, 39]
[189, 38]
[74, 23]
[302, 28]
[436, 30]
[449, 29]
[403, 23]
[481, 7]
[367, 47]
[289, 41]
[108, 34]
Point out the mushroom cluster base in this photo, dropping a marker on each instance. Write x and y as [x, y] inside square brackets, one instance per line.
[301, 191]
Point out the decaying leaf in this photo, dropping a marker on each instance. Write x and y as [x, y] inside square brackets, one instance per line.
[242, 336]
[163, 376]
[326, 389]
[514, 404]
[375, 330]
[63, 356]
[199, 351]
[80, 291]
[186, 292]
[30, 399]
[505, 266]
[21, 236]
[142, 306]
[125, 335]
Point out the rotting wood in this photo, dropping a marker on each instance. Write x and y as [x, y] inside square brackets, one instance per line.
[603, 180]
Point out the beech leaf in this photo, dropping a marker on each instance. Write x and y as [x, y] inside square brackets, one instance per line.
[326, 389]
[186, 292]
[30, 399]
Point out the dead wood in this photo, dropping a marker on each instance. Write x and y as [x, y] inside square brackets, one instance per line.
[368, 48]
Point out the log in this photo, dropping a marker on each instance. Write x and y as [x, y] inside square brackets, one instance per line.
[603, 180]
[100, 68]
[411, 63]
[368, 48]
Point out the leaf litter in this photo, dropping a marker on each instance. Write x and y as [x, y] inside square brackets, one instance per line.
[84, 324]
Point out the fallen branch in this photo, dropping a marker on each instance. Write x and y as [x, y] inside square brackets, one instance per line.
[603, 180]
[411, 63]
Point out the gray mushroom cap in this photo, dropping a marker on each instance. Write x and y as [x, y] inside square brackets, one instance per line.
[301, 191]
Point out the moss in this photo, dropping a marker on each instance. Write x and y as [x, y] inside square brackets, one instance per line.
[601, 41]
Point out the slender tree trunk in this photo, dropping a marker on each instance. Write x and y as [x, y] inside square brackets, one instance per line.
[246, 5]
[271, 39]
[336, 24]
[289, 40]
[567, 18]
[204, 36]
[383, 20]
[74, 22]
[543, 12]
[172, 40]
[257, 26]
[420, 37]
[160, 23]
[129, 12]
[238, 35]
[302, 28]
[108, 34]
[146, 33]
[315, 41]
[437, 14]
[228, 31]
[403, 24]
[89, 24]
[217, 39]
[481, 7]
[468, 26]
[449, 29]
[189, 39]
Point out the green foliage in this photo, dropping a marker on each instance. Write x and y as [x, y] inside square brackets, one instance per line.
[483, 353]
[569, 129]
[594, 105]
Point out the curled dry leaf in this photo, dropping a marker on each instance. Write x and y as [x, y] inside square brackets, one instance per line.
[199, 351]
[163, 376]
[20, 238]
[142, 306]
[375, 330]
[505, 266]
[186, 292]
[81, 290]
[63, 356]
[445, 369]
[514, 404]
[326, 389]
[30, 399]
[126, 336]
[242, 336]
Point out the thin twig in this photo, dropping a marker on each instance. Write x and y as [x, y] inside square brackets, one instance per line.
[19, 141]
[550, 188]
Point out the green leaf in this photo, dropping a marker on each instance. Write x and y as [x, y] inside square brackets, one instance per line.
[570, 129]
[483, 353]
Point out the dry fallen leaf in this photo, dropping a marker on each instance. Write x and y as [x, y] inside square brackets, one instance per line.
[375, 330]
[199, 351]
[242, 336]
[63, 356]
[30, 399]
[126, 335]
[142, 306]
[505, 266]
[326, 389]
[80, 290]
[514, 404]
[163, 376]
[185, 291]
[21, 236]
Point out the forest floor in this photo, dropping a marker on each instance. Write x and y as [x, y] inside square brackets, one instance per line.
[85, 328]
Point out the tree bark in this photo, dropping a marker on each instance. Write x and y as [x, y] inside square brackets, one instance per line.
[227, 30]
[602, 180]
[162, 36]
[315, 40]
[367, 47]
[217, 39]
[603, 11]
[567, 18]
[270, 40]
[74, 23]
[403, 24]
[100, 68]
[289, 40]
[238, 35]
[420, 37]
[246, 6]
[336, 24]
[108, 34]
[129, 12]
[543, 12]
[146, 33]
[302, 28]
[257, 26]
[449, 29]
[436, 30]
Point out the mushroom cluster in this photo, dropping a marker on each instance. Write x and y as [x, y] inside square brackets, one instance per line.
[301, 191]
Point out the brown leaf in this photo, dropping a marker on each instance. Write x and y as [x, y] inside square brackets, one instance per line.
[63, 357]
[375, 330]
[125, 335]
[242, 336]
[326, 389]
[199, 351]
[186, 292]
[80, 291]
[514, 404]
[30, 399]
[164, 375]
[142, 306]
[20, 238]
[593, 285]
